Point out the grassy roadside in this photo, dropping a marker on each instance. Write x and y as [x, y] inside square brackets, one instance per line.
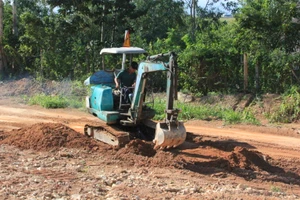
[72, 94]
[55, 101]
[188, 111]
[205, 112]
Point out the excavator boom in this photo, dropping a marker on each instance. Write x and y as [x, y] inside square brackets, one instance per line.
[170, 132]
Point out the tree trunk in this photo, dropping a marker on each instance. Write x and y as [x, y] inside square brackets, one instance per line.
[245, 72]
[194, 4]
[102, 27]
[257, 81]
[15, 26]
[1, 45]
[15, 19]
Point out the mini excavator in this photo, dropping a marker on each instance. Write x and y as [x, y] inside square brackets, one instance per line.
[125, 121]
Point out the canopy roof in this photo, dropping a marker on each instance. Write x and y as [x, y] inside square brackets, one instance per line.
[121, 50]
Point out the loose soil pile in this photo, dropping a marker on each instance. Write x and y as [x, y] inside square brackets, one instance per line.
[54, 136]
[49, 136]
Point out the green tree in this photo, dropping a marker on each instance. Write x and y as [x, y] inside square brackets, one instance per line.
[264, 27]
[156, 18]
[212, 62]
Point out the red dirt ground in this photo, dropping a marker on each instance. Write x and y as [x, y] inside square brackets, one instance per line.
[215, 162]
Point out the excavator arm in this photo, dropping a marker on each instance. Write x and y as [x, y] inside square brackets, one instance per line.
[170, 132]
[151, 65]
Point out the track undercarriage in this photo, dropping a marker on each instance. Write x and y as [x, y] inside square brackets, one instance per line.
[163, 135]
[107, 134]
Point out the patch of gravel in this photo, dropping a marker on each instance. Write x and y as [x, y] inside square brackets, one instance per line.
[77, 174]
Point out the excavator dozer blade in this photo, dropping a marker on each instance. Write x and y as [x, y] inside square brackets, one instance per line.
[107, 134]
[168, 135]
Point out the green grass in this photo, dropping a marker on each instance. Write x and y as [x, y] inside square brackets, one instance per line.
[55, 101]
[228, 19]
[48, 101]
[206, 112]
[65, 94]
[275, 189]
[289, 110]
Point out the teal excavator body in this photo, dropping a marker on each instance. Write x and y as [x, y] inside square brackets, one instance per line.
[107, 104]
[102, 104]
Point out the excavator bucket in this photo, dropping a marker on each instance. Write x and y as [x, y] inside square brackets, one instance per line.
[168, 135]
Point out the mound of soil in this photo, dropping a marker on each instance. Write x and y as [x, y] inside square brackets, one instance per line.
[53, 136]
[141, 153]
[246, 159]
[49, 136]
[139, 147]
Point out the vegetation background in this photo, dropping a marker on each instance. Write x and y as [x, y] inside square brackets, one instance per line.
[257, 50]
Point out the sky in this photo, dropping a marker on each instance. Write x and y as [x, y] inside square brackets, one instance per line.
[202, 3]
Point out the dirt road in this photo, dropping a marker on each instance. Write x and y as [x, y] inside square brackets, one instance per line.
[44, 155]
